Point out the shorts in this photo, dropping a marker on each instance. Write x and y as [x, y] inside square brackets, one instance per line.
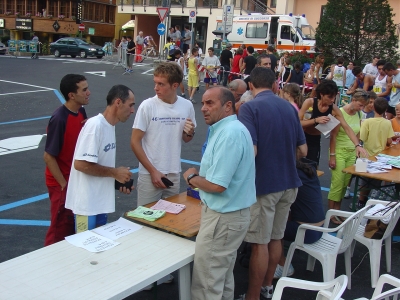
[213, 80]
[147, 192]
[83, 223]
[269, 216]
[391, 110]
[193, 80]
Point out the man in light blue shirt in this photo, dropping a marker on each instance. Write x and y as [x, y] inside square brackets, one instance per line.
[349, 75]
[227, 188]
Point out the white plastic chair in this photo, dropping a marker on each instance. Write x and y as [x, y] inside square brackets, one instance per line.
[328, 247]
[331, 290]
[379, 295]
[375, 246]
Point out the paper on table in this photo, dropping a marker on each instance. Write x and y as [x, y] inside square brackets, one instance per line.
[117, 229]
[91, 241]
[327, 127]
[170, 207]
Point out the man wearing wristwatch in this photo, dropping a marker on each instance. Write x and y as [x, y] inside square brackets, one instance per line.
[226, 181]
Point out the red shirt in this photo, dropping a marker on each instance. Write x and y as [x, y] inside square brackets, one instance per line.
[62, 133]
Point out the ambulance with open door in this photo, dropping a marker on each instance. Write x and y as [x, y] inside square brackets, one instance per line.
[284, 32]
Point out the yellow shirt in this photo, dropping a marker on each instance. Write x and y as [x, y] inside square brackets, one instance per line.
[167, 48]
[192, 66]
[374, 133]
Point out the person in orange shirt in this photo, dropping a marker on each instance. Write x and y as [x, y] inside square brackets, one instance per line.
[396, 121]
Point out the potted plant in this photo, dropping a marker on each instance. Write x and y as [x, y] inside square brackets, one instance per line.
[8, 13]
[50, 16]
[17, 14]
[28, 15]
[61, 17]
[73, 18]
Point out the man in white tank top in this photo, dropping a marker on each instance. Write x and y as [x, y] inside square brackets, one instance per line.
[381, 81]
[339, 73]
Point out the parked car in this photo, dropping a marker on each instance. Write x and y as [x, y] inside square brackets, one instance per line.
[3, 48]
[75, 47]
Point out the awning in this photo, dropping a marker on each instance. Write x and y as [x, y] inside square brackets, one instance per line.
[129, 25]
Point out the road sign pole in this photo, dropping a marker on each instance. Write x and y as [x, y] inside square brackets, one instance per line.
[225, 20]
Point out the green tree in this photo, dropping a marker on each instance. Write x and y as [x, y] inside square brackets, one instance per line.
[357, 30]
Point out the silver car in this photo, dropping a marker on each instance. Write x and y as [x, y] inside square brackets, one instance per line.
[3, 48]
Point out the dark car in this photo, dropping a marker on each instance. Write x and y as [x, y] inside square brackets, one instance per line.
[75, 47]
[3, 48]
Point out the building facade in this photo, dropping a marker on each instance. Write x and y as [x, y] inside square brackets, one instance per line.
[53, 19]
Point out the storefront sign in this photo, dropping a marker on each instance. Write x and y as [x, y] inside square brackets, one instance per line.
[23, 23]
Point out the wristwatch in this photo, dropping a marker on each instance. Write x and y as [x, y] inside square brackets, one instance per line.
[190, 177]
[190, 135]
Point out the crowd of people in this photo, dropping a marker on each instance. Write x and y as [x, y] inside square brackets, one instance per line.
[258, 162]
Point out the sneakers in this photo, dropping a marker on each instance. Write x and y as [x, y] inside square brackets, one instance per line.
[267, 292]
[167, 279]
[193, 101]
[279, 271]
[347, 194]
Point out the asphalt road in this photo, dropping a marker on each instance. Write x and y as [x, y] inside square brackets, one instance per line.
[28, 96]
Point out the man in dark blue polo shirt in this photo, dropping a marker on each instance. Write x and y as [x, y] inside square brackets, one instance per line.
[277, 135]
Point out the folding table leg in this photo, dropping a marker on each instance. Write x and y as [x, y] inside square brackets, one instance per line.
[184, 282]
[353, 207]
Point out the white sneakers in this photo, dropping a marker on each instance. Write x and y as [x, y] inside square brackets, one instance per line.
[279, 271]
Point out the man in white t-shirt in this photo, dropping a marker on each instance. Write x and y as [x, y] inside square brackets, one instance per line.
[90, 193]
[161, 123]
[211, 63]
[371, 68]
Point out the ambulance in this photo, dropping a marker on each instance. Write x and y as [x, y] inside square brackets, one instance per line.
[284, 32]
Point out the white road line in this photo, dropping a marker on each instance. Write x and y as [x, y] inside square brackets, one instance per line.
[42, 87]
[145, 72]
[26, 92]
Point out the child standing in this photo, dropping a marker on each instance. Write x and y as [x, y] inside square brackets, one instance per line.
[193, 78]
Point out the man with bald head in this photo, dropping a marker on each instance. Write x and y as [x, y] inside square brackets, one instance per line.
[227, 190]
[238, 87]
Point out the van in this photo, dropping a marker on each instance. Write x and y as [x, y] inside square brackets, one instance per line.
[284, 32]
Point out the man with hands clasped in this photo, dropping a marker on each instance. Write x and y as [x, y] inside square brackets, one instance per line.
[227, 189]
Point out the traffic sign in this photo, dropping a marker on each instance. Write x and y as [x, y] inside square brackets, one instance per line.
[227, 20]
[81, 27]
[192, 16]
[161, 29]
[162, 12]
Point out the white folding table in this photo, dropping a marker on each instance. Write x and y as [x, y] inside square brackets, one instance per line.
[63, 271]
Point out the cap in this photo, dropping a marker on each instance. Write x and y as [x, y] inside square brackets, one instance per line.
[228, 45]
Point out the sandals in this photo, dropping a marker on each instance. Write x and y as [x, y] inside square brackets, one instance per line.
[336, 220]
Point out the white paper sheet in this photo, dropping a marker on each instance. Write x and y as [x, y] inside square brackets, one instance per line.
[91, 241]
[327, 127]
[169, 207]
[117, 229]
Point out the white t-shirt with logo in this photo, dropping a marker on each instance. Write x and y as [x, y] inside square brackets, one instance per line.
[163, 125]
[91, 195]
[211, 61]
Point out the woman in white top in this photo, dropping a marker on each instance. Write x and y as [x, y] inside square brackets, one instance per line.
[381, 81]
[308, 79]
